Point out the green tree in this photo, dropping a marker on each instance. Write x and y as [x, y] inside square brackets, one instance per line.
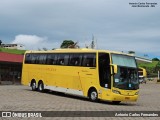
[155, 59]
[45, 49]
[131, 52]
[157, 67]
[66, 43]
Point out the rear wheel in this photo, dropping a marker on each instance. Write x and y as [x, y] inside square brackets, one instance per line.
[93, 95]
[33, 86]
[40, 86]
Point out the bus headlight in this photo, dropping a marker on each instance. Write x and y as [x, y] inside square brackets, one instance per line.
[116, 91]
[137, 93]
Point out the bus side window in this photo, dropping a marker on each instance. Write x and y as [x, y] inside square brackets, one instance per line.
[34, 58]
[78, 59]
[60, 59]
[42, 58]
[51, 59]
[71, 61]
[66, 59]
[89, 60]
[76, 63]
[75, 59]
[28, 58]
[63, 59]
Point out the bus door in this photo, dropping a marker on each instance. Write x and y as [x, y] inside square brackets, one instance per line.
[104, 70]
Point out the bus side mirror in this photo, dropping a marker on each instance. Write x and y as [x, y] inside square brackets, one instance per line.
[114, 68]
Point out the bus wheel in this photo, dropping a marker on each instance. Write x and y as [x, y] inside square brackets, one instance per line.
[116, 102]
[40, 86]
[93, 95]
[33, 86]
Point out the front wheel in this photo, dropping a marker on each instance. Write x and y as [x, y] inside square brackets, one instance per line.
[93, 95]
[41, 87]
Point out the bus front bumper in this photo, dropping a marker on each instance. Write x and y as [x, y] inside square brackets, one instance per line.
[119, 97]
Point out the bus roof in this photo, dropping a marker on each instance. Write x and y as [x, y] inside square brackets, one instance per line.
[76, 50]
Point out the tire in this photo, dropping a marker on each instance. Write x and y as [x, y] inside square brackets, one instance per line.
[40, 87]
[93, 95]
[33, 86]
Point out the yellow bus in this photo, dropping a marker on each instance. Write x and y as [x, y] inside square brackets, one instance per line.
[142, 74]
[96, 74]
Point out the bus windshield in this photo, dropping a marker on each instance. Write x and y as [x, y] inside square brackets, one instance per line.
[127, 74]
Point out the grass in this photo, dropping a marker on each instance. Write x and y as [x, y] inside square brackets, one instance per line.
[13, 51]
[148, 65]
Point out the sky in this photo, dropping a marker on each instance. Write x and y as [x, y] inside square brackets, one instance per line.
[115, 24]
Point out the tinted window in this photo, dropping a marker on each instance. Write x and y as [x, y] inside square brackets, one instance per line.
[72, 59]
[75, 59]
[34, 58]
[89, 60]
[51, 59]
[28, 58]
[63, 59]
[42, 58]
